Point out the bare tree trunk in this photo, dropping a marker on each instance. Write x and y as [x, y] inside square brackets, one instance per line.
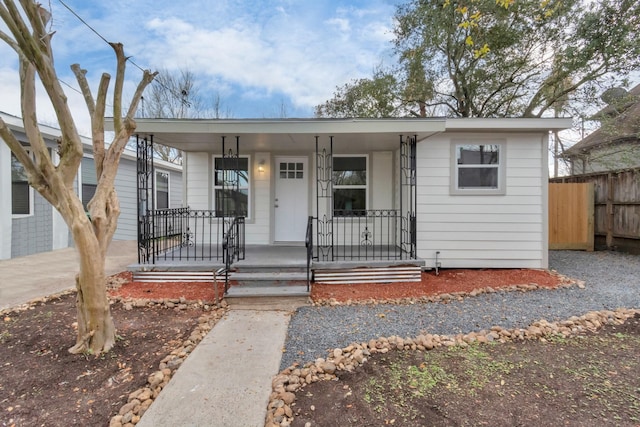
[96, 330]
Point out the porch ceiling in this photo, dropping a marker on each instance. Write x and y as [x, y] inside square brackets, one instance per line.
[286, 135]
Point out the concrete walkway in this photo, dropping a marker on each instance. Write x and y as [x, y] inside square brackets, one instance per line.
[226, 381]
[26, 278]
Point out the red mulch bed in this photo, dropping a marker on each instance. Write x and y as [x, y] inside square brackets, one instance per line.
[448, 281]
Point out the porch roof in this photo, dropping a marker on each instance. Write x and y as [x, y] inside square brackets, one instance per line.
[285, 135]
[298, 135]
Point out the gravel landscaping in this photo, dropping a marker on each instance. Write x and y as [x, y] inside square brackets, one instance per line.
[612, 281]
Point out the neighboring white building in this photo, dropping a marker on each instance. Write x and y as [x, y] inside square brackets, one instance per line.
[470, 193]
[29, 224]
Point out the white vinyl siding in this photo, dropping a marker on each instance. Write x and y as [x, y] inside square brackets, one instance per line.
[126, 187]
[482, 231]
[198, 180]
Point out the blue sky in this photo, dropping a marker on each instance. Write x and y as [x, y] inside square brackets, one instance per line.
[258, 56]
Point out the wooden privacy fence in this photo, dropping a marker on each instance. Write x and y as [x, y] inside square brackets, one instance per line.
[617, 207]
[571, 216]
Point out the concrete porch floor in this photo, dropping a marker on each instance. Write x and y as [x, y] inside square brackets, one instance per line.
[272, 257]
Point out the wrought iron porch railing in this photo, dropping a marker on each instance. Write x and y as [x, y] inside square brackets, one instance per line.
[378, 234]
[233, 247]
[308, 242]
[183, 234]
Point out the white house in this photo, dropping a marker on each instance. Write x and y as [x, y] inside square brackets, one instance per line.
[451, 193]
[29, 224]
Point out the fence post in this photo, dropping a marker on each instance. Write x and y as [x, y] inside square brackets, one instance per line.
[610, 211]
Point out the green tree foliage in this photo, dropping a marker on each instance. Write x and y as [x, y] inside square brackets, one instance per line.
[524, 58]
[369, 97]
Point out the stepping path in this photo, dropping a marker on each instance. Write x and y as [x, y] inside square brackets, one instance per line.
[226, 381]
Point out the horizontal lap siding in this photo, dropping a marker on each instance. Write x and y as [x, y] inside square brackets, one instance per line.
[197, 178]
[258, 227]
[175, 189]
[475, 231]
[126, 188]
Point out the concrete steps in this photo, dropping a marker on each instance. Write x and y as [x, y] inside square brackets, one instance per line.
[255, 281]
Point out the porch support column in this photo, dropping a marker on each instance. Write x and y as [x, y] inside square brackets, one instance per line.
[408, 195]
[145, 187]
[324, 195]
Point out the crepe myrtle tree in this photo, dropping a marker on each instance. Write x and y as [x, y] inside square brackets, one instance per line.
[26, 33]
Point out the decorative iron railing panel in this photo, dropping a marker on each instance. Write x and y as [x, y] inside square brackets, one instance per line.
[360, 235]
[184, 234]
[233, 246]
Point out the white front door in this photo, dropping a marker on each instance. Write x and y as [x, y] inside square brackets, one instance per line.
[291, 203]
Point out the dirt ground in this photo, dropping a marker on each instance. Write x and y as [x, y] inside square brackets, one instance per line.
[590, 380]
[41, 384]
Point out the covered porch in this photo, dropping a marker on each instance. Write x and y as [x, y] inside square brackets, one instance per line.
[320, 193]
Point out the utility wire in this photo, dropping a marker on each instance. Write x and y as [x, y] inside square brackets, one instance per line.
[170, 90]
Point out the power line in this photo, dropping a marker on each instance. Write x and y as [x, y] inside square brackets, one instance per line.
[174, 93]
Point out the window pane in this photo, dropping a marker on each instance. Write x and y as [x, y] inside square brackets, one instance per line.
[349, 171]
[162, 199]
[478, 178]
[231, 202]
[478, 154]
[162, 181]
[88, 191]
[349, 201]
[89, 171]
[242, 164]
[20, 192]
[20, 198]
[18, 174]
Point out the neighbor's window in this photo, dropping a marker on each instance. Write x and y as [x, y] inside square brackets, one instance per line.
[231, 186]
[162, 190]
[89, 181]
[21, 193]
[349, 185]
[479, 169]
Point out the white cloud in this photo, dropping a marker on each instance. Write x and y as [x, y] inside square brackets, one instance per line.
[284, 49]
[300, 59]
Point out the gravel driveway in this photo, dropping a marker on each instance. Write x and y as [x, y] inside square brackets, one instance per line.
[612, 281]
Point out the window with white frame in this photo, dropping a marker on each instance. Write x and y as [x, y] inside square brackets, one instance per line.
[21, 192]
[478, 168]
[162, 190]
[349, 185]
[231, 200]
[89, 180]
